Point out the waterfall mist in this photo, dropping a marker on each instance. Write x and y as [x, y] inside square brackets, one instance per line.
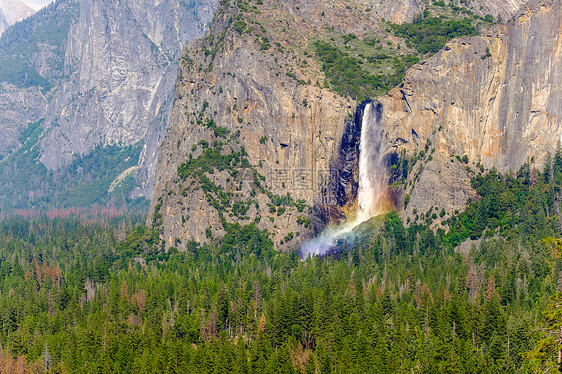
[372, 198]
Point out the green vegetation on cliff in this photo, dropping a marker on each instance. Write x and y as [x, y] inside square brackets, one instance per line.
[348, 77]
[44, 32]
[26, 183]
[367, 67]
[429, 34]
[232, 202]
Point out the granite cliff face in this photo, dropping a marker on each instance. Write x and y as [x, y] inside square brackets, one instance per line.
[12, 11]
[401, 11]
[103, 74]
[504, 9]
[496, 98]
[398, 11]
[31, 60]
[493, 97]
[289, 127]
[18, 107]
[119, 89]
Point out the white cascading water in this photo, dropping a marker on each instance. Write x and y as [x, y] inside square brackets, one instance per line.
[371, 196]
[372, 169]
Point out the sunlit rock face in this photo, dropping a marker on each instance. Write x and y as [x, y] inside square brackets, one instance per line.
[476, 97]
[13, 11]
[496, 98]
[401, 11]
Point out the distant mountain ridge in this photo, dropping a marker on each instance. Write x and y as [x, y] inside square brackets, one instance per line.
[83, 76]
[15, 10]
[12, 11]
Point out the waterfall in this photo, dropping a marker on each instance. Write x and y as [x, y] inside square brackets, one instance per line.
[372, 191]
[372, 168]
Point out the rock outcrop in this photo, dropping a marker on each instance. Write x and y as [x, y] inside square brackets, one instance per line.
[496, 98]
[487, 97]
[13, 11]
[105, 75]
[398, 11]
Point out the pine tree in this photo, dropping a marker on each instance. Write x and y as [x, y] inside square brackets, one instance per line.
[557, 165]
[548, 350]
[547, 173]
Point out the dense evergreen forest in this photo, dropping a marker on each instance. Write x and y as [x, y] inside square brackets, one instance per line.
[93, 298]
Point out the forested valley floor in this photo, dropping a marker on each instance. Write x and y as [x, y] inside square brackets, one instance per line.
[81, 297]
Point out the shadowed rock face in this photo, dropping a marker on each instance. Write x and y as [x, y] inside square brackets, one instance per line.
[341, 189]
[500, 108]
[339, 197]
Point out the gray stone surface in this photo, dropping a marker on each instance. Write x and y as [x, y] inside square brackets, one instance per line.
[500, 110]
[121, 66]
[14, 11]
[113, 83]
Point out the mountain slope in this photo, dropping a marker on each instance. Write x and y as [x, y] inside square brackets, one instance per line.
[71, 67]
[248, 91]
[494, 98]
[121, 88]
[31, 65]
[15, 10]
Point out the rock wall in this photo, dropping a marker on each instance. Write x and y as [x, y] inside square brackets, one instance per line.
[290, 130]
[18, 107]
[3, 22]
[496, 98]
[14, 11]
[289, 123]
[120, 67]
[400, 11]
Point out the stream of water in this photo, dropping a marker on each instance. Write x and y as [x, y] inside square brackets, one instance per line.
[373, 181]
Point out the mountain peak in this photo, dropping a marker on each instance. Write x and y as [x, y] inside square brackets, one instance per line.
[12, 11]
